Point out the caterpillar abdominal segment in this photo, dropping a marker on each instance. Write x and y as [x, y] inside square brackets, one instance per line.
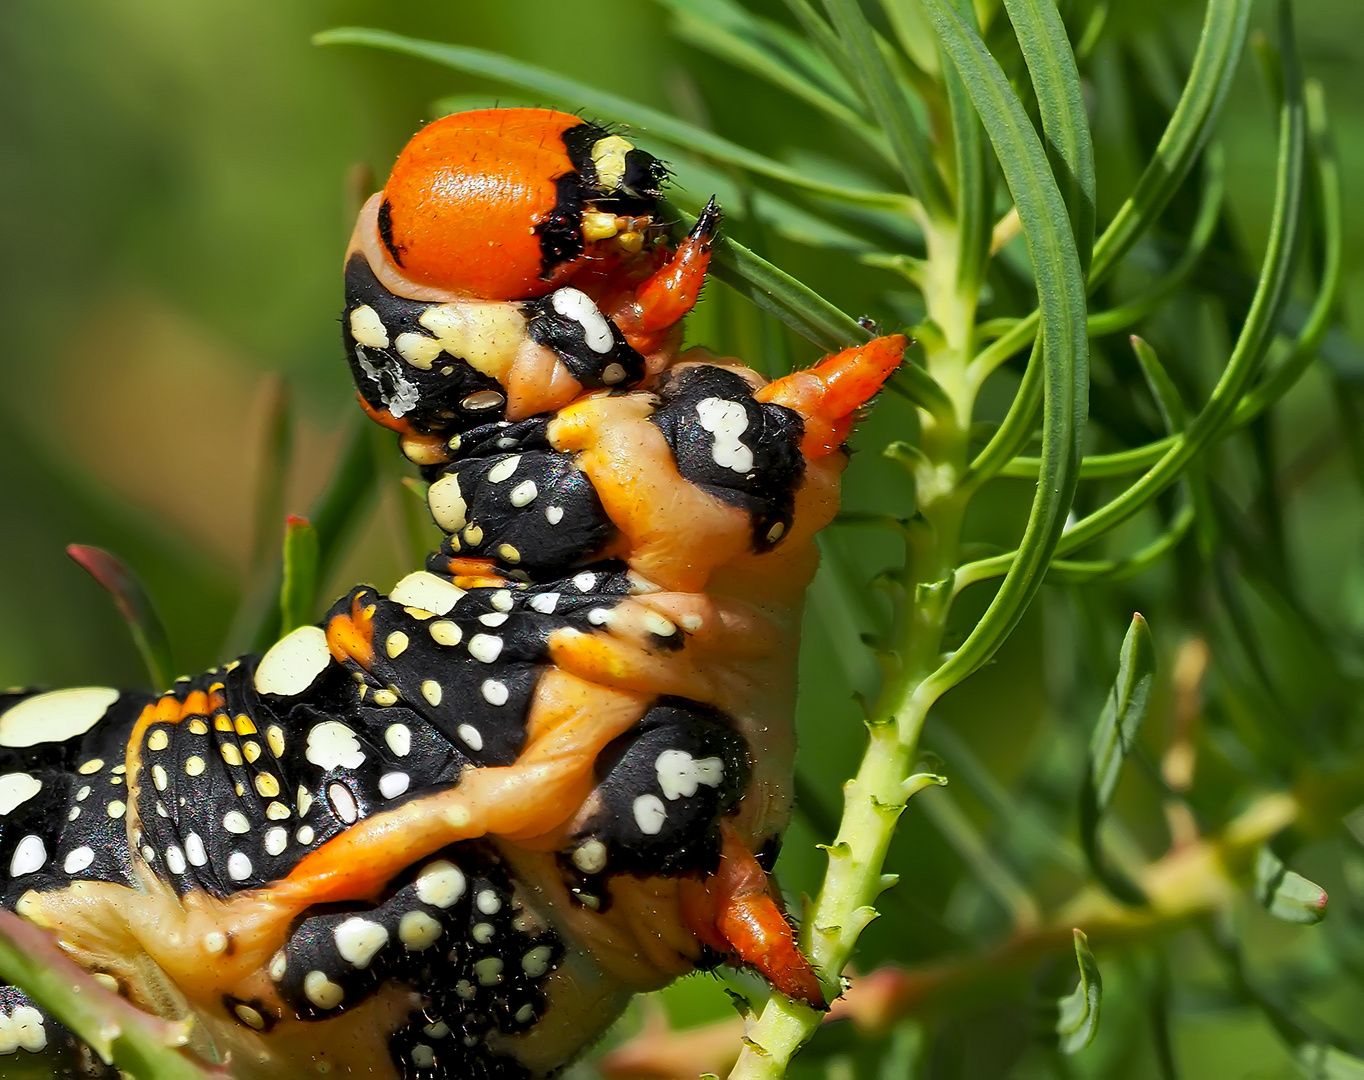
[448, 831]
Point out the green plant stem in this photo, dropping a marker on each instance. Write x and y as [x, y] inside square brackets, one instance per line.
[877, 795]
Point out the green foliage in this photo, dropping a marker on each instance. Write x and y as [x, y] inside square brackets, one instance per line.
[1115, 736]
[1077, 1021]
[298, 591]
[134, 605]
[1127, 265]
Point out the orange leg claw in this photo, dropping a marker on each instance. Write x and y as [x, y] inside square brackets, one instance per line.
[734, 912]
[829, 394]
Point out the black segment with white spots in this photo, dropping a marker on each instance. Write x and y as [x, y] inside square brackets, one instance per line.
[521, 502]
[448, 396]
[63, 805]
[744, 452]
[455, 929]
[662, 788]
[570, 325]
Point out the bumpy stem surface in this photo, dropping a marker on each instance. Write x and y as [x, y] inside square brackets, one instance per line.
[876, 796]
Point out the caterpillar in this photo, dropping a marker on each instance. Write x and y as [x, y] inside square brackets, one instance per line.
[451, 829]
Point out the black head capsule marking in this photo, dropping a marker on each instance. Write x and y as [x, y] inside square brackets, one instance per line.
[561, 231]
[385, 221]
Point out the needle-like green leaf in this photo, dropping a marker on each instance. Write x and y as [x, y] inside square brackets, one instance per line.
[1046, 50]
[1065, 354]
[606, 105]
[1078, 1012]
[298, 593]
[149, 635]
[1287, 895]
[886, 100]
[1114, 736]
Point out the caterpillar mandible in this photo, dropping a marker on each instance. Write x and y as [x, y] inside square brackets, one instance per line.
[450, 830]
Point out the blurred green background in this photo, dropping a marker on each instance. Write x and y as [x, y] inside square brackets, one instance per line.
[178, 181]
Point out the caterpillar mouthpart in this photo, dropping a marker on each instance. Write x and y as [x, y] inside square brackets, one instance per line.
[828, 395]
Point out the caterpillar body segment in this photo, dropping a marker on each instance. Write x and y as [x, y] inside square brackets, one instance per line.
[451, 828]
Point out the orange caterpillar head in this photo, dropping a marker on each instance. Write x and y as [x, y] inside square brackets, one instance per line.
[508, 204]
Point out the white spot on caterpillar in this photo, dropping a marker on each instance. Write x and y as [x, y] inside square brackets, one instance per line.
[536, 962]
[578, 306]
[423, 1056]
[590, 857]
[29, 855]
[194, 850]
[359, 941]
[493, 618]
[440, 884]
[418, 931]
[26, 1029]
[679, 773]
[343, 802]
[488, 970]
[333, 745]
[16, 789]
[238, 866]
[445, 632]
[396, 644]
[545, 603]
[524, 493]
[554, 514]
[608, 156]
[432, 692]
[503, 469]
[470, 734]
[367, 328]
[293, 663]
[485, 647]
[417, 349]
[393, 784]
[488, 902]
[585, 582]
[726, 420]
[234, 821]
[276, 840]
[321, 991]
[399, 739]
[650, 814]
[81, 858]
[494, 692]
[501, 600]
[56, 717]
[447, 504]
[426, 591]
[175, 860]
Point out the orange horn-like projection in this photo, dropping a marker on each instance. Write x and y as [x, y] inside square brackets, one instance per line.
[734, 912]
[829, 394]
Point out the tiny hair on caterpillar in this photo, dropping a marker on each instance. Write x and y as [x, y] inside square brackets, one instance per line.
[452, 828]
